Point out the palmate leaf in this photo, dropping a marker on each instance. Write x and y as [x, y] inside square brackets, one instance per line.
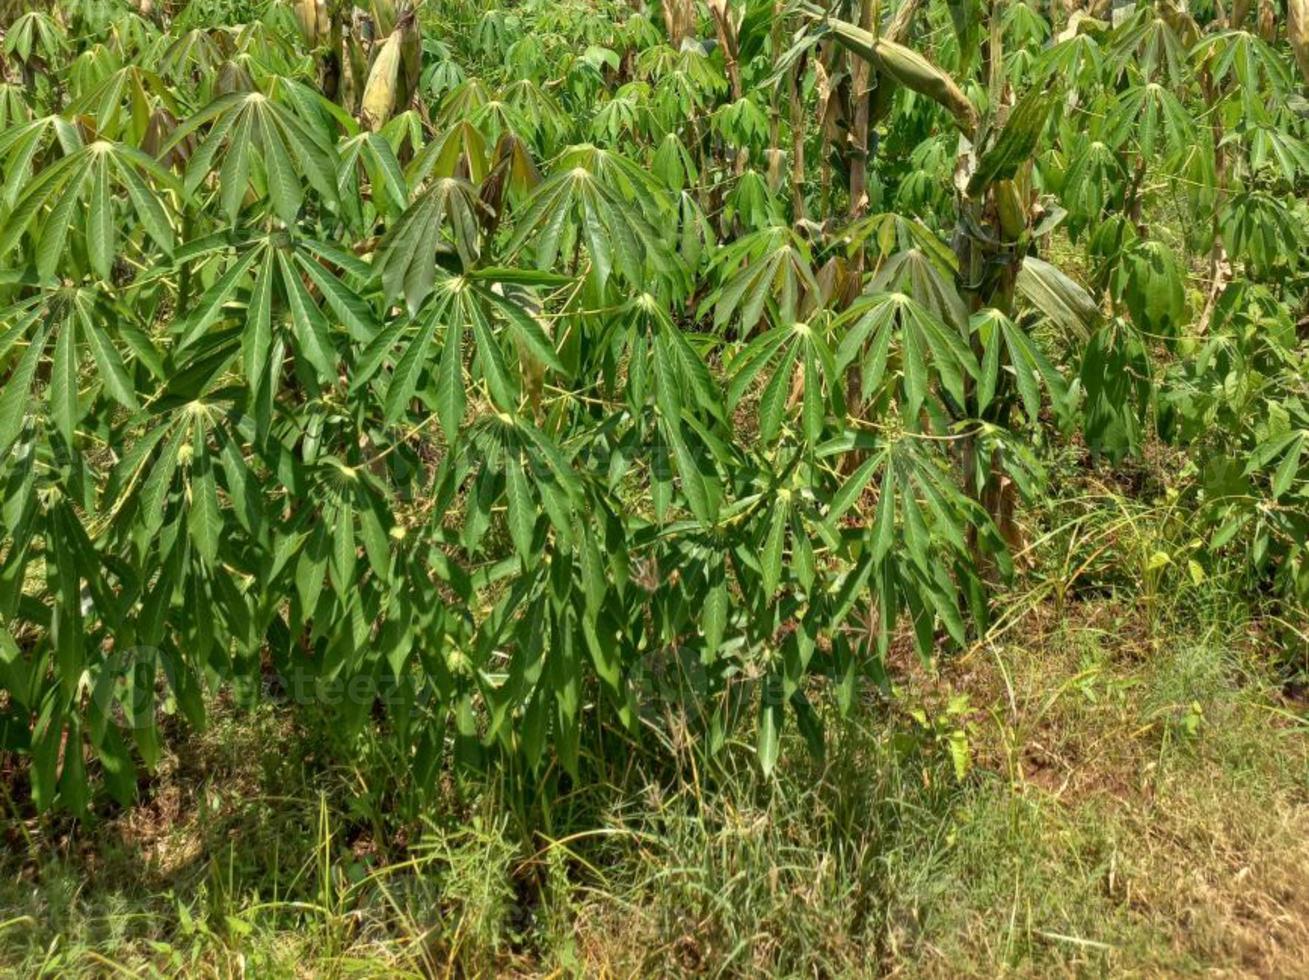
[1152, 285]
[179, 491]
[1115, 374]
[35, 33]
[662, 365]
[603, 201]
[1077, 60]
[1252, 67]
[26, 142]
[122, 103]
[877, 326]
[507, 457]
[1150, 43]
[544, 121]
[369, 155]
[799, 347]
[917, 550]
[15, 105]
[197, 50]
[928, 276]
[1278, 460]
[512, 176]
[463, 100]
[1259, 227]
[273, 275]
[86, 327]
[462, 151]
[80, 192]
[266, 148]
[459, 306]
[1090, 180]
[1058, 297]
[1154, 117]
[407, 260]
[1007, 348]
[888, 233]
[1269, 145]
[685, 81]
[770, 265]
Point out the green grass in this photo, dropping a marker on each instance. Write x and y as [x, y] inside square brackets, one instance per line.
[1135, 802]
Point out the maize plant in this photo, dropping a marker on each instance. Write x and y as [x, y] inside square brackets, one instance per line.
[499, 377]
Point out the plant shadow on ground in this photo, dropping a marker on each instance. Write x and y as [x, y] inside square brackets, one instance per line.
[1132, 802]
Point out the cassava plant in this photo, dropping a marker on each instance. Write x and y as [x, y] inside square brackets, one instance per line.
[507, 381]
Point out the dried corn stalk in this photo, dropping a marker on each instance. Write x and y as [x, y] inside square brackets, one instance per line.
[1297, 30]
[911, 70]
[381, 91]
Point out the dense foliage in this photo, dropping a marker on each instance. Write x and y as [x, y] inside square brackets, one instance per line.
[500, 377]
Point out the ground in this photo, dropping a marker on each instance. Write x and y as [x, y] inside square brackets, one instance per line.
[1104, 789]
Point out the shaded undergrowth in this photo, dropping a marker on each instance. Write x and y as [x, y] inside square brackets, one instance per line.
[1093, 793]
